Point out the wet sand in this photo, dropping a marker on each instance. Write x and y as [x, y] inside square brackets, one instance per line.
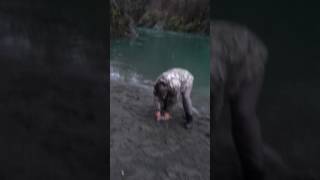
[141, 149]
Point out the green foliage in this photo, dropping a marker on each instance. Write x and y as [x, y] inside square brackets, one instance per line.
[151, 18]
[175, 23]
[119, 23]
[148, 16]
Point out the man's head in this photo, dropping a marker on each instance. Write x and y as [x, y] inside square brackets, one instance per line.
[161, 90]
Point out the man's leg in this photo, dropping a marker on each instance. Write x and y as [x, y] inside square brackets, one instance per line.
[246, 131]
[187, 106]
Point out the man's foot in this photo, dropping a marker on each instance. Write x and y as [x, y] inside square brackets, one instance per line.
[188, 125]
[189, 120]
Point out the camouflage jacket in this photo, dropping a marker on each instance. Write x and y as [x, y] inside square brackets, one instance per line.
[179, 80]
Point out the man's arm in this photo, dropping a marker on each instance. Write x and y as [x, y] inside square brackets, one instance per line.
[157, 104]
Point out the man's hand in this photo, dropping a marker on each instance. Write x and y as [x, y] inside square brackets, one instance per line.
[167, 116]
[158, 115]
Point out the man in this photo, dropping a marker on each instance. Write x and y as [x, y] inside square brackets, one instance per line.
[170, 86]
[237, 67]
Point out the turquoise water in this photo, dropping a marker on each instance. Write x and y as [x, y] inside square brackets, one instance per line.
[155, 51]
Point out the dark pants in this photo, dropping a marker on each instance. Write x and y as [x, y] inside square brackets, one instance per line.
[186, 102]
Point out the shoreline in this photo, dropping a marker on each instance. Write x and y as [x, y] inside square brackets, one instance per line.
[140, 148]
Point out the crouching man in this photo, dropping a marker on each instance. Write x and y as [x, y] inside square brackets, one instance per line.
[171, 86]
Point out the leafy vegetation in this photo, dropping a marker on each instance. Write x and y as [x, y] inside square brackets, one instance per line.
[128, 13]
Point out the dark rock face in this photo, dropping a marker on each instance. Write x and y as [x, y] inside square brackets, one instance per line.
[52, 93]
